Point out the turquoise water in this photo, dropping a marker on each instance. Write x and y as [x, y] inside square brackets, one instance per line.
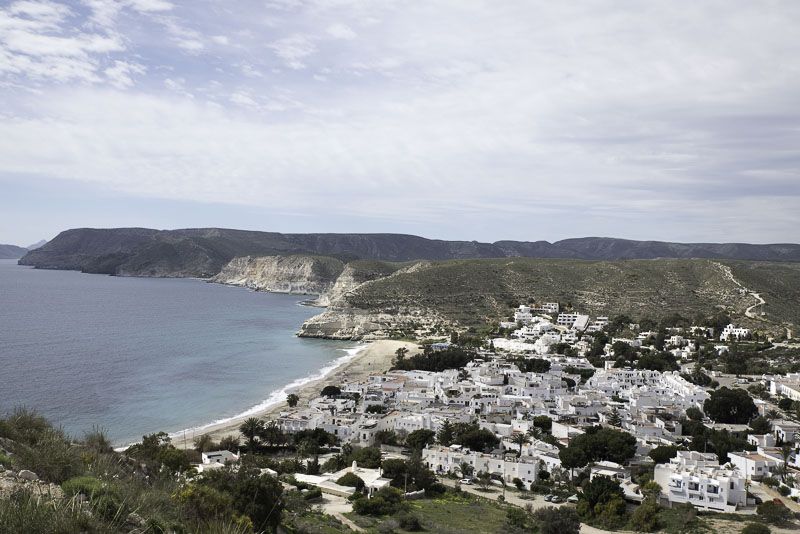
[141, 355]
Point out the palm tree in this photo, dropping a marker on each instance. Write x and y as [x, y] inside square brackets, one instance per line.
[535, 432]
[250, 429]
[786, 452]
[292, 399]
[773, 414]
[519, 439]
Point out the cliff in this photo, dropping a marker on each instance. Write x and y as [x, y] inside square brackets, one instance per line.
[202, 252]
[307, 275]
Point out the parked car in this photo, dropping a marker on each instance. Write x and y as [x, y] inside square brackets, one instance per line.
[573, 498]
[466, 481]
[549, 497]
[556, 499]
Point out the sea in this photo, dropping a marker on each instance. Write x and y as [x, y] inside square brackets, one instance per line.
[133, 356]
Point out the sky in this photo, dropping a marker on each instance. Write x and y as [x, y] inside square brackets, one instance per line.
[451, 119]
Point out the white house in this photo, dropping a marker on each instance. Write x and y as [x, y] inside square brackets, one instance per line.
[753, 465]
[731, 332]
[697, 478]
[218, 457]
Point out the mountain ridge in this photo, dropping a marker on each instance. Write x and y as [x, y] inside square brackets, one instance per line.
[203, 252]
[11, 252]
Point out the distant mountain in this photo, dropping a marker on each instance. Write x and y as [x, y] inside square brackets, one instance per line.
[11, 252]
[38, 244]
[202, 252]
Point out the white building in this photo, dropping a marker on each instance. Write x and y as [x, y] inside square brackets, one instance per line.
[752, 464]
[731, 332]
[218, 457]
[443, 460]
[697, 478]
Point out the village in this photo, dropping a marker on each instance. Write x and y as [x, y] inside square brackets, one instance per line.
[559, 401]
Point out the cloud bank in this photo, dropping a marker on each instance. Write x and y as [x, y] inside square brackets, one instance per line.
[526, 120]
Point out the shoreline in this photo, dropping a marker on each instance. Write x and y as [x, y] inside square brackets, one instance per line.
[366, 358]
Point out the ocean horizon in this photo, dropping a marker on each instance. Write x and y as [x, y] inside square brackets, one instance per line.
[134, 356]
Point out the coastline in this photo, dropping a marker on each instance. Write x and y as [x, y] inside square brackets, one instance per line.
[364, 359]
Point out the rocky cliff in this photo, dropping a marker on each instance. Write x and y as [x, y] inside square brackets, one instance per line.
[300, 274]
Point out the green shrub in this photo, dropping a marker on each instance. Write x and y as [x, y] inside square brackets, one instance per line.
[784, 490]
[315, 493]
[351, 480]
[773, 511]
[756, 528]
[772, 482]
[52, 458]
[408, 522]
[23, 512]
[109, 507]
[85, 485]
[386, 501]
[552, 520]
[203, 503]
[5, 460]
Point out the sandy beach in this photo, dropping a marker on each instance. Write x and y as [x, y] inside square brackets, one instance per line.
[376, 357]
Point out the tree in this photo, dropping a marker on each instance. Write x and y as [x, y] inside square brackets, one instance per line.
[663, 453]
[785, 403]
[605, 444]
[419, 439]
[204, 443]
[730, 406]
[446, 433]
[645, 517]
[229, 443]
[292, 399]
[572, 458]
[519, 439]
[466, 469]
[694, 413]
[483, 479]
[598, 493]
[543, 422]
[614, 419]
[760, 425]
[331, 391]
[259, 498]
[554, 520]
[250, 429]
[272, 434]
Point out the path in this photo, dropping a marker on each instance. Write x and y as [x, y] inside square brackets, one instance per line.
[760, 300]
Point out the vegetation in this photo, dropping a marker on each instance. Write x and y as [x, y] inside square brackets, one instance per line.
[730, 406]
[430, 360]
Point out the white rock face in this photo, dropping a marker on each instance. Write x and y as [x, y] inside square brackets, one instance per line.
[305, 275]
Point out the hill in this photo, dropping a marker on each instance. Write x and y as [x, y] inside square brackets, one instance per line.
[436, 296]
[203, 252]
[11, 252]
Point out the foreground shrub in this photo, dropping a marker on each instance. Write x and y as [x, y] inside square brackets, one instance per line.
[773, 512]
[23, 512]
[408, 522]
[756, 528]
[386, 501]
[351, 480]
[553, 520]
[84, 485]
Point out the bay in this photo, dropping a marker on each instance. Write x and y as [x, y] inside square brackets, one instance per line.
[141, 355]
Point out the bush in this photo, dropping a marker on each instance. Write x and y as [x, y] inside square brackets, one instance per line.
[554, 520]
[773, 512]
[772, 482]
[351, 480]
[109, 507]
[520, 485]
[23, 512]
[756, 528]
[645, 517]
[386, 501]
[310, 495]
[203, 503]
[408, 522]
[784, 490]
[84, 485]
[516, 517]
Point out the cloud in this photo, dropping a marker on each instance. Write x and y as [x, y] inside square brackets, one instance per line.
[341, 31]
[642, 122]
[294, 49]
[121, 74]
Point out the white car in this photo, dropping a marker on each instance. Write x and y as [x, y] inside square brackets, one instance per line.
[466, 481]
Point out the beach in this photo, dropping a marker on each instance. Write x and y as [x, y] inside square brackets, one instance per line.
[369, 358]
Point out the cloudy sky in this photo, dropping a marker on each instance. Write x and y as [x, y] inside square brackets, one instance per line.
[459, 119]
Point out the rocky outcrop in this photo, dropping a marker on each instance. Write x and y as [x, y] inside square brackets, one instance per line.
[298, 274]
[342, 320]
